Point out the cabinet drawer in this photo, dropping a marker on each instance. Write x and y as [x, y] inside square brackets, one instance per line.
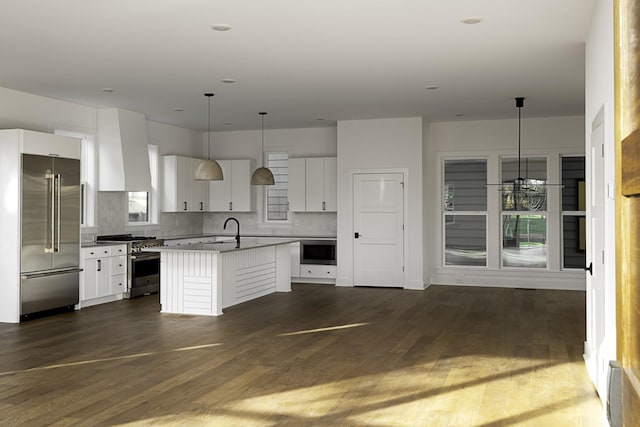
[118, 265]
[118, 284]
[318, 271]
[96, 252]
[119, 250]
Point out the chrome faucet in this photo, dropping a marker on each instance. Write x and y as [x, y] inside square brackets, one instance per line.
[238, 232]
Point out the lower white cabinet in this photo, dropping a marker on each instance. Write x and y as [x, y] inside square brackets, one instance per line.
[315, 271]
[104, 275]
[294, 251]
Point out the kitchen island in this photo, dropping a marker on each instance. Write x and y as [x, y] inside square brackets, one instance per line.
[205, 278]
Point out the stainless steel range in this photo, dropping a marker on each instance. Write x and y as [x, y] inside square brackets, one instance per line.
[143, 277]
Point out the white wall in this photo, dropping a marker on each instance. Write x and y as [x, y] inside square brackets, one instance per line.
[492, 138]
[307, 142]
[383, 144]
[599, 84]
[21, 110]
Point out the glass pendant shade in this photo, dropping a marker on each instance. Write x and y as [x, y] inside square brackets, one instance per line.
[209, 170]
[262, 176]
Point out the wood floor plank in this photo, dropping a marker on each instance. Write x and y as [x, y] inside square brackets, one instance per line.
[320, 355]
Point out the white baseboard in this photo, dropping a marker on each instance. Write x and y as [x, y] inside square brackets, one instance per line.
[563, 280]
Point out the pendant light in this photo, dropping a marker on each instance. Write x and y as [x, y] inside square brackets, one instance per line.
[209, 170]
[524, 193]
[262, 175]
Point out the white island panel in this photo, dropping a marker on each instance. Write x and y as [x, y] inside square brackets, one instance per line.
[205, 278]
[189, 283]
[248, 274]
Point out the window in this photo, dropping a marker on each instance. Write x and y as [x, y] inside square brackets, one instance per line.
[276, 202]
[465, 212]
[138, 206]
[573, 212]
[88, 176]
[524, 213]
[142, 206]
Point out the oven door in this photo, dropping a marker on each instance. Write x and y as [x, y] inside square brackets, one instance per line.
[145, 273]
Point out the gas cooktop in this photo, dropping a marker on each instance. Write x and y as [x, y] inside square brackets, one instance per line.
[122, 238]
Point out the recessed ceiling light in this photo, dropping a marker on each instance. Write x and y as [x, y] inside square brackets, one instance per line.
[107, 89]
[228, 81]
[177, 109]
[221, 27]
[471, 20]
[432, 87]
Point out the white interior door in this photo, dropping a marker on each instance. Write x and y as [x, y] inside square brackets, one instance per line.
[378, 224]
[596, 293]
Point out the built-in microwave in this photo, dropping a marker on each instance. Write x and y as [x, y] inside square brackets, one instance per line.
[318, 252]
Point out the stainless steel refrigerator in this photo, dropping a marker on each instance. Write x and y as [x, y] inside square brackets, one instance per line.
[50, 233]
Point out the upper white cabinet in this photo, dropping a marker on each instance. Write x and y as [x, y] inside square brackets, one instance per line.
[181, 192]
[296, 186]
[313, 184]
[234, 193]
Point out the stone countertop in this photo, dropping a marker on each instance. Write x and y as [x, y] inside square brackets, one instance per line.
[223, 246]
[90, 244]
[252, 234]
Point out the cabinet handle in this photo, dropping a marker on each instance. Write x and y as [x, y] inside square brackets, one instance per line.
[201, 206]
[323, 205]
[99, 265]
[230, 206]
[185, 206]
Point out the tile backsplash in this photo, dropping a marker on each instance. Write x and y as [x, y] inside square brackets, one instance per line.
[302, 224]
[111, 219]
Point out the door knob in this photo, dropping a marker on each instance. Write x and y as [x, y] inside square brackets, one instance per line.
[589, 269]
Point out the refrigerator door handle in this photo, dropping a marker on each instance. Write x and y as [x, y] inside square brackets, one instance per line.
[50, 273]
[52, 199]
[58, 190]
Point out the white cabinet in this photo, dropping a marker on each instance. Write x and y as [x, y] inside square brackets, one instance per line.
[104, 275]
[294, 251]
[313, 271]
[313, 184]
[234, 193]
[181, 192]
[296, 186]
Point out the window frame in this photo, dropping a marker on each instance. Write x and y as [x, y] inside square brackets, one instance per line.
[444, 212]
[88, 176]
[571, 213]
[152, 195]
[277, 186]
[546, 213]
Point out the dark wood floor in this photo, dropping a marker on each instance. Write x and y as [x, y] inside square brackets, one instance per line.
[320, 355]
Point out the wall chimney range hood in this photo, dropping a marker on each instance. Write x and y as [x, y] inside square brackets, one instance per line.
[123, 155]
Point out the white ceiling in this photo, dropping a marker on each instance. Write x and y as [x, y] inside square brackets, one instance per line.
[299, 60]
